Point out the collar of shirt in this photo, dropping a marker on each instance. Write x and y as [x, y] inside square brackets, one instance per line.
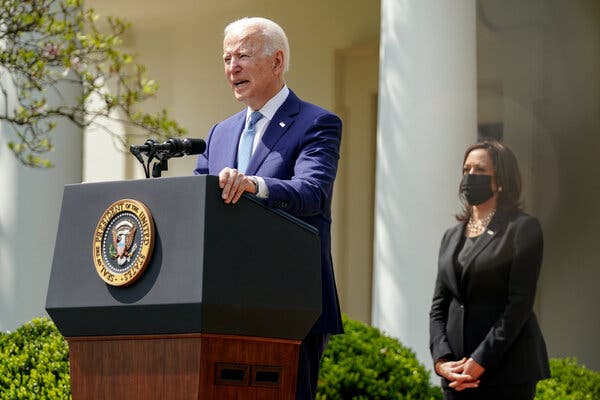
[268, 111]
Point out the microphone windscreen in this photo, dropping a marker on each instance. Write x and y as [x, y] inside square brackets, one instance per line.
[195, 146]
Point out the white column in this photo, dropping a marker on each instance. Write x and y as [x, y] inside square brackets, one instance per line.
[427, 117]
[30, 202]
[105, 158]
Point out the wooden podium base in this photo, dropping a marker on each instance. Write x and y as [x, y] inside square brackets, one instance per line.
[187, 366]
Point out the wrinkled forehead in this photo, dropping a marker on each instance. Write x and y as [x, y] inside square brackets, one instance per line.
[247, 39]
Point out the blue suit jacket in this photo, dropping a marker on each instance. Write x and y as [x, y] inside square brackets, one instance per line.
[297, 157]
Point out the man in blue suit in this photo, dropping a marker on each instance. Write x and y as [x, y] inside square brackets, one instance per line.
[283, 150]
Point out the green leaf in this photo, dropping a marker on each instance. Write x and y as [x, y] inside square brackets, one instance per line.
[55, 42]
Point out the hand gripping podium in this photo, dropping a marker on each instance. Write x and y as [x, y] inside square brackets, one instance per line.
[218, 312]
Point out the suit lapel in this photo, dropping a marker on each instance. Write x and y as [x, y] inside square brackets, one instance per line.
[495, 226]
[278, 126]
[451, 248]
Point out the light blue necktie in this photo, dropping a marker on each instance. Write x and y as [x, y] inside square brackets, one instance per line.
[246, 141]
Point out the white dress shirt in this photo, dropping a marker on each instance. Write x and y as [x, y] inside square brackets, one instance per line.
[268, 111]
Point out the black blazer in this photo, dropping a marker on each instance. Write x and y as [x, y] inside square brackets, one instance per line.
[486, 312]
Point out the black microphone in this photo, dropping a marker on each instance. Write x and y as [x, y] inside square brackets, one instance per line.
[174, 147]
[177, 147]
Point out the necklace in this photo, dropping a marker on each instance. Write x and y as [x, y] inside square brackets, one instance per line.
[476, 226]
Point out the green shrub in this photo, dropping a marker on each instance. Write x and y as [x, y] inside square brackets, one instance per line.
[569, 381]
[34, 363]
[365, 364]
[361, 364]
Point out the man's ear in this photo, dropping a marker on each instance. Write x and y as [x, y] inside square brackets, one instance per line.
[278, 61]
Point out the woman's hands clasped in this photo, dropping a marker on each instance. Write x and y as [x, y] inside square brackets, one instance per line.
[462, 374]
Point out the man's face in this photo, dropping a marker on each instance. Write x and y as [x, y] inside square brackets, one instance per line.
[253, 76]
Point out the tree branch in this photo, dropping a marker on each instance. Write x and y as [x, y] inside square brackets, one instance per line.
[51, 43]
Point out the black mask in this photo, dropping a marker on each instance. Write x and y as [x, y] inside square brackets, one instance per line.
[476, 188]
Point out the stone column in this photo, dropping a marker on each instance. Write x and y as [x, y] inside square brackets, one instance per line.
[427, 117]
[30, 202]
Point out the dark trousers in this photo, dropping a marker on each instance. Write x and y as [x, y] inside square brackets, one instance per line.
[311, 351]
[525, 391]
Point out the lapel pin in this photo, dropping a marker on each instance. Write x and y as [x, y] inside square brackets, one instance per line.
[281, 124]
[490, 232]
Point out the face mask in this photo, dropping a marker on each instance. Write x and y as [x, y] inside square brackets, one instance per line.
[476, 188]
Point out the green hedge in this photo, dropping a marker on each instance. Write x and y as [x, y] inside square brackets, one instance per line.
[34, 363]
[569, 381]
[361, 364]
[365, 364]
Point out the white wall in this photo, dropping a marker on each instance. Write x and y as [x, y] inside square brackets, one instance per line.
[357, 85]
[568, 199]
[544, 56]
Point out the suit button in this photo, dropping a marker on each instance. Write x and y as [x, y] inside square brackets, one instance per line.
[462, 306]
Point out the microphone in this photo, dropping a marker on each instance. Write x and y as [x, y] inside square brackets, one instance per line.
[173, 147]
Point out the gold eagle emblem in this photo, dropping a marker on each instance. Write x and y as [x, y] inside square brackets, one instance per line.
[122, 238]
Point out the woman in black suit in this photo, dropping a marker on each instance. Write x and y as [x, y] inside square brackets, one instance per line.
[484, 337]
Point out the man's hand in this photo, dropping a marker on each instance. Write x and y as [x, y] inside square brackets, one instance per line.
[234, 184]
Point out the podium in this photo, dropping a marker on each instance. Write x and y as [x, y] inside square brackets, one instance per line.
[226, 296]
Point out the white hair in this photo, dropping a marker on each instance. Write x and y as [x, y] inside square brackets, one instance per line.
[274, 37]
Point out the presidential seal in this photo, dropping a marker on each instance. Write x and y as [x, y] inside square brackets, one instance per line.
[123, 242]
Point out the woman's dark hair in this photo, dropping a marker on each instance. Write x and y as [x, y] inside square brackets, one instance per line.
[508, 177]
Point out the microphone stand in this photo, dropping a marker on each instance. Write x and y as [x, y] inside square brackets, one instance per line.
[161, 165]
[162, 158]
